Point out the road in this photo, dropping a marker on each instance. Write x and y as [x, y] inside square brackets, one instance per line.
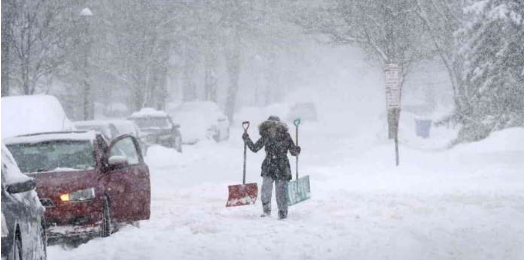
[439, 204]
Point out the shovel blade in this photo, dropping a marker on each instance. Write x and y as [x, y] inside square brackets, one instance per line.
[298, 190]
[243, 194]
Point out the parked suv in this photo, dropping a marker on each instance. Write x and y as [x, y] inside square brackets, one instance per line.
[129, 127]
[158, 128]
[23, 233]
[200, 121]
[86, 185]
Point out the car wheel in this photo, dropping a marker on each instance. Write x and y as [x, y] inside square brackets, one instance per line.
[16, 251]
[105, 229]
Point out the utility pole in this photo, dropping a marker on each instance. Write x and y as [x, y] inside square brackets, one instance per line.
[86, 88]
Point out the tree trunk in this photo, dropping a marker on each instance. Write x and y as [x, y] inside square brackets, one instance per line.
[26, 88]
[6, 42]
[210, 78]
[188, 87]
[139, 86]
[393, 121]
[162, 89]
[271, 93]
[233, 70]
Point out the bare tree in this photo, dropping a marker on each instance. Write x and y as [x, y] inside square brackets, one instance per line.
[40, 39]
[441, 20]
[391, 32]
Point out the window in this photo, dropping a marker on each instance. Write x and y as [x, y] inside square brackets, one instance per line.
[59, 155]
[127, 149]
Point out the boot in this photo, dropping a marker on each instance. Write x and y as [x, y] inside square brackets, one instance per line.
[282, 214]
[267, 210]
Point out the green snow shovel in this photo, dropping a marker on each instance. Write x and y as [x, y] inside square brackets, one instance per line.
[243, 194]
[299, 189]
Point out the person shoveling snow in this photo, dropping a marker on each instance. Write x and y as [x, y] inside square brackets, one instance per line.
[274, 136]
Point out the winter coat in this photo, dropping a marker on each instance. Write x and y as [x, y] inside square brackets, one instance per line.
[274, 136]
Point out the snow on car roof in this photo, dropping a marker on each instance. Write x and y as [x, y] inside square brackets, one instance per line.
[52, 136]
[92, 123]
[32, 114]
[149, 112]
[124, 126]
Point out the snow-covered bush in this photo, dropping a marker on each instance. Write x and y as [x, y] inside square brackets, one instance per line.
[494, 69]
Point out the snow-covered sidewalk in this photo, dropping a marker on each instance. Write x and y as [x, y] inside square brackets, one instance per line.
[464, 203]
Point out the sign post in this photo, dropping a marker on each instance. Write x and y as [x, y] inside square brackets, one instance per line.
[393, 94]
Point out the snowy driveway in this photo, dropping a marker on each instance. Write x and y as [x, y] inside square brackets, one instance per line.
[458, 204]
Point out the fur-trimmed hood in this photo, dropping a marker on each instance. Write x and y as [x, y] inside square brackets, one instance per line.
[272, 123]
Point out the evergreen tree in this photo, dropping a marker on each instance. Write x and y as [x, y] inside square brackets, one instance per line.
[494, 68]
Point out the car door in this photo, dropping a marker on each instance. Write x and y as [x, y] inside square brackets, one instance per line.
[127, 181]
[25, 212]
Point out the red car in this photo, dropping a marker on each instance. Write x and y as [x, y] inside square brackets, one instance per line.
[86, 185]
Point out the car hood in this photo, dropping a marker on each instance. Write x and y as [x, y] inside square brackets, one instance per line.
[50, 185]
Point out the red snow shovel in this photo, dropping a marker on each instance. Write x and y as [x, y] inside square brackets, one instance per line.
[243, 194]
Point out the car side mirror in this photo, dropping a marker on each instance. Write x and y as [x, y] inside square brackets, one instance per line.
[20, 187]
[117, 161]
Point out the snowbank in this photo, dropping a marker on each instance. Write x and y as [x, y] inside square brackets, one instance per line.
[162, 157]
[33, 114]
[507, 140]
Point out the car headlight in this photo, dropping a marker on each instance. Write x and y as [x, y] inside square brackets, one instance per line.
[5, 230]
[79, 195]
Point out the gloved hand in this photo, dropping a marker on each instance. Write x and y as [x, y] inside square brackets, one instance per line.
[245, 136]
[297, 149]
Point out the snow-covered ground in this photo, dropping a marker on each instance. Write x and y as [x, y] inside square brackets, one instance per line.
[463, 203]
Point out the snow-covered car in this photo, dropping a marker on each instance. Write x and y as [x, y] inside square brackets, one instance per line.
[305, 111]
[157, 128]
[107, 129]
[129, 127]
[23, 223]
[201, 120]
[86, 185]
[33, 114]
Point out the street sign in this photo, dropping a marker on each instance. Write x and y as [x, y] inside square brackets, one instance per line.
[393, 90]
[393, 94]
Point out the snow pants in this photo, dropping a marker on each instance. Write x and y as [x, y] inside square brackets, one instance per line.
[280, 190]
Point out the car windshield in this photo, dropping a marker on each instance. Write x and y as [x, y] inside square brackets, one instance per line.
[62, 155]
[151, 122]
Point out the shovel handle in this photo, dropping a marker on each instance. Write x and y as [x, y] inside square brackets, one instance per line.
[296, 122]
[245, 125]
